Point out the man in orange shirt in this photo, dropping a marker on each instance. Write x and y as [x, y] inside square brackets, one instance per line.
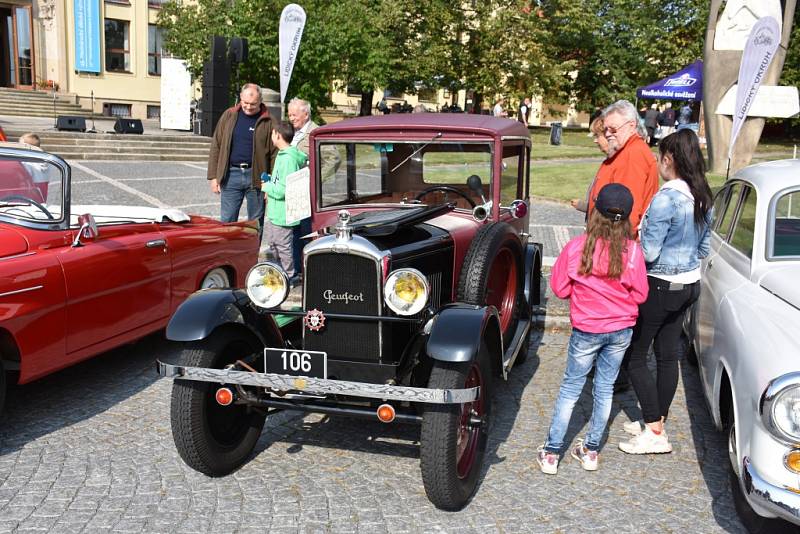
[630, 161]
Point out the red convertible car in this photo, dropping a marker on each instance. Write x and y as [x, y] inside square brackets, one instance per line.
[76, 281]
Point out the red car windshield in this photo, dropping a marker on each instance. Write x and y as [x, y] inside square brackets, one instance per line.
[30, 190]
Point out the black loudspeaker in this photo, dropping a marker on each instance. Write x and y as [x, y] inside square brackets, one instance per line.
[128, 126]
[70, 124]
[216, 73]
[237, 52]
[219, 48]
[208, 122]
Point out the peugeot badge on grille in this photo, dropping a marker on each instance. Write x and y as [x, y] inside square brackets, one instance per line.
[314, 320]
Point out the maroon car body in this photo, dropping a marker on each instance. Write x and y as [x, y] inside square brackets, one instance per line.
[69, 292]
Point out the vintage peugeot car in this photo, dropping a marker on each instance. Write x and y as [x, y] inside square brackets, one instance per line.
[745, 337]
[76, 281]
[418, 291]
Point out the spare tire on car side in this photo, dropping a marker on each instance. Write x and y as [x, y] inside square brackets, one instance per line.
[492, 274]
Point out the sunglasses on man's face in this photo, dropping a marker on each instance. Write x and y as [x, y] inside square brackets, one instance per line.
[615, 129]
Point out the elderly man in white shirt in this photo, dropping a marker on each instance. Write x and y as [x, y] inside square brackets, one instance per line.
[300, 117]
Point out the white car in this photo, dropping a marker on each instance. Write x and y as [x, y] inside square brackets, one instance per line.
[745, 334]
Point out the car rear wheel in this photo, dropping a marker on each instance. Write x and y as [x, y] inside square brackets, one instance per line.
[211, 438]
[492, 275]
[754, 523]
[216, 278]
[453, 436]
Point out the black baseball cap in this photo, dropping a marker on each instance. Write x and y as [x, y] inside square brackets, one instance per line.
[615, 202]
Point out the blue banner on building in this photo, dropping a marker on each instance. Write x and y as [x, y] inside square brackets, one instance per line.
[87, 35]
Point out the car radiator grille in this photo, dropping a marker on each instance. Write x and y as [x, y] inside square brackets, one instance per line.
[339, 274]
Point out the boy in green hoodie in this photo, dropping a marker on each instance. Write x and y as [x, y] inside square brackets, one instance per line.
[278, 231]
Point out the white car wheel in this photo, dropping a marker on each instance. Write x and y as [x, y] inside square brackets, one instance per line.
[216, 278]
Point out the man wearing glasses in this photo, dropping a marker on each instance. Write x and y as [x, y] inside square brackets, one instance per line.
[630, 162]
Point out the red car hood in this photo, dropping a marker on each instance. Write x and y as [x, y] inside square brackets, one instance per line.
[12, 243]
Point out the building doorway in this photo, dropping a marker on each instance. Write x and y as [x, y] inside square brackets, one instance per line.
[16, 47]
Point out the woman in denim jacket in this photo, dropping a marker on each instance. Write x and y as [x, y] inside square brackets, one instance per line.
[674, 236]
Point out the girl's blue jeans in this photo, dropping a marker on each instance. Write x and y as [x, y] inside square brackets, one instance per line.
[584, 350]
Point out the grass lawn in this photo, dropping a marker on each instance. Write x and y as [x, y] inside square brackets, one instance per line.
[570, 180]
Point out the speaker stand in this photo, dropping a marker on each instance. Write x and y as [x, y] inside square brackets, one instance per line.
[93, 130]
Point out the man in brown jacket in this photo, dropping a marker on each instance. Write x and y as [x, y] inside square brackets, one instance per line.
[241, 150]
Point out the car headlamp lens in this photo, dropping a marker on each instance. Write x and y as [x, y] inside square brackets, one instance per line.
[406, 291]
[267, 285]
[786, 412]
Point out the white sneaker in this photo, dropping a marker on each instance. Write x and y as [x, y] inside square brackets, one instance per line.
[634, 428]
[647, 443]
[587, 458]
[548, 462]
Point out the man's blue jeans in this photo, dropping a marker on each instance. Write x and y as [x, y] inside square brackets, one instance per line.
[238, 187]
[584, 349]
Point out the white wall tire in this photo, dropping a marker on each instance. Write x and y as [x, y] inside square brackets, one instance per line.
[216, 279]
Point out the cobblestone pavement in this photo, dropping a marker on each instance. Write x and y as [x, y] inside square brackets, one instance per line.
[89, 449]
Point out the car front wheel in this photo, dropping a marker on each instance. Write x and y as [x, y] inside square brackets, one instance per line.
[216, 279]
[211, 438]
[453, 436]
[754, 523]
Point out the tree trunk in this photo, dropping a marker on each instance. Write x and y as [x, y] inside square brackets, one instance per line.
[720, 73]
[477, 100]
[366, 103]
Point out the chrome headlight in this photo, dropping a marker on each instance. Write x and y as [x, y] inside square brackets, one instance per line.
[780, 407]
[406, 291]
[267, 285]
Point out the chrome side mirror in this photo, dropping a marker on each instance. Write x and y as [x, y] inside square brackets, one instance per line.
[88, 229]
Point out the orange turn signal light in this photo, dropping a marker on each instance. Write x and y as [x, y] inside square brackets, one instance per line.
[224, 396]
[792, 461]
[386, 413]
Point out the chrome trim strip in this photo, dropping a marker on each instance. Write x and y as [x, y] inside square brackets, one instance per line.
[18, 256]
[17, 291]
[318, 385]
[780, 501]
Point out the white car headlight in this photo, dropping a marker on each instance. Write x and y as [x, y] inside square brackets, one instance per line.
[406, 291]
[786, 412]
[267, 285]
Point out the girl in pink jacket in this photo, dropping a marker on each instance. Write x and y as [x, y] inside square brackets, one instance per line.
[603, 274]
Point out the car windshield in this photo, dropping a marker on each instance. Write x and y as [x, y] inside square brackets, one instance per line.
[31, 190]
[427, 172]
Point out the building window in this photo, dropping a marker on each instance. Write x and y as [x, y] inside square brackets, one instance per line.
[155, 41]
[427, 95]
[352, 90]
[153, 112]
[118, 53]
[110, 109]
[156, 4]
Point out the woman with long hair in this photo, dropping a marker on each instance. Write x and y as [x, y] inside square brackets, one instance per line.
[602, 273]
[674, 236]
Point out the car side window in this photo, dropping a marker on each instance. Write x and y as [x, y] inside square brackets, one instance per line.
[727, 210]
[743, 232]
[513, 169]
[786, 226]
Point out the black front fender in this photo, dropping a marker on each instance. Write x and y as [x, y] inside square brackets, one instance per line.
[206, 310]
[458, 330]
[533, 274]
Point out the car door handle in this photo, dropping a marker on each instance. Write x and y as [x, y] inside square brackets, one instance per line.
[156, 243]
[710, 263]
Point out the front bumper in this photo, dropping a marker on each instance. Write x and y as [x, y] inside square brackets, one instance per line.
[779, 501]
[318, 386]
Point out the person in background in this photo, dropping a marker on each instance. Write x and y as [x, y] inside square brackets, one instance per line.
[524, 112]
[630, 162]
[674, 237]
[602, 273]
[667, 120]
[597, 132]
[241, 151]
[684, 116]
[651, 123]
[280, 233]
[498, 110]
[38, 171]
[419, 108]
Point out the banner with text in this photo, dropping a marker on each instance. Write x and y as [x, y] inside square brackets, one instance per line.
[290, 31]
[176, 95]
[756, 58]
[87, 35]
